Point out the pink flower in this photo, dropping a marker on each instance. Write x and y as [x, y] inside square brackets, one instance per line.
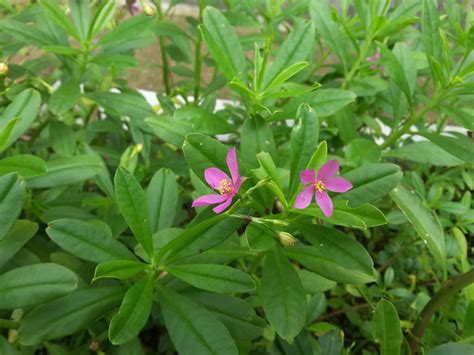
[318, 185]
[219, 181]
[373, 58]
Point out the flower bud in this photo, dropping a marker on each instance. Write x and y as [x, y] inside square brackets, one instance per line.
[3, 68]
[286, 239]
[148, 10]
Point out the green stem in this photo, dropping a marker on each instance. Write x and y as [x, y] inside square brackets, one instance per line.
[164, 57]
[256, 262]
[440, 298]
[357, 64]
[8, 324]
[198, 59]
[411, 121]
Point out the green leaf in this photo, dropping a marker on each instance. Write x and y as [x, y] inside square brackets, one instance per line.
[67, 171]
[119, 269]
[26, 106]
[193, 329]
[468, 330]
[328, 101]
[103, 16]
[62, 138]
[26, 34]
[395, 71]
[45, 281]
[259, 237]
[80, 11]
[452, 349]
[133, 313]
[169, 129]
[8, 349]
[163, 197]
[122, 104]
[424, 152]
[215, 278]
[370, 182]
[58, 15]
[370, 214]
[266, 170]
[319, 157]
[127, 30]
[325, 102]
[430, 26]
[285, 75]
[68, 314]
[362, 217]
[424, 221]
[223, 44]
[304, 142]
[210, 227]
[362, 151]
[314, 283]
[282, 295]
[209, 237]
[294, 50]
[203, 121]
[168, 28]
[461, 147]
[7, 132]
[65, 97]
[202, 152]
[25, 165]
[12, 197]
[132, 203]
[256, 137]
[387, 328]
[18, 235]
[334, 255]
[462, 117]
[62, 50]
[87, 241]
[237, 315]
[328, 29]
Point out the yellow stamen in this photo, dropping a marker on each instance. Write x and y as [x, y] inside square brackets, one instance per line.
[225, 187]
[319, 186]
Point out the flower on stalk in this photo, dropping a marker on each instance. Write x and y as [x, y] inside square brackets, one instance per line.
[325, 180]
[220, 181]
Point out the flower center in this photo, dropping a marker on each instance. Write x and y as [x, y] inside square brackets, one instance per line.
[319, 186]
[225, 187]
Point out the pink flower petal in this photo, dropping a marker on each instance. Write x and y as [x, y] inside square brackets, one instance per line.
[223, 206]
[328, 170]
[214, 176]
[337, 184]
[324, 202]
[233, 168]
[304, 198]
[307, 176]
[211, 199]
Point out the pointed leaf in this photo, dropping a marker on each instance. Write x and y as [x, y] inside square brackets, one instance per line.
[282, 295]
[68, 314]
[45, 281]
[133, 313]
[192, 328]
[133, 206]
[215, 278]
[424, 220]
[87, 241]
